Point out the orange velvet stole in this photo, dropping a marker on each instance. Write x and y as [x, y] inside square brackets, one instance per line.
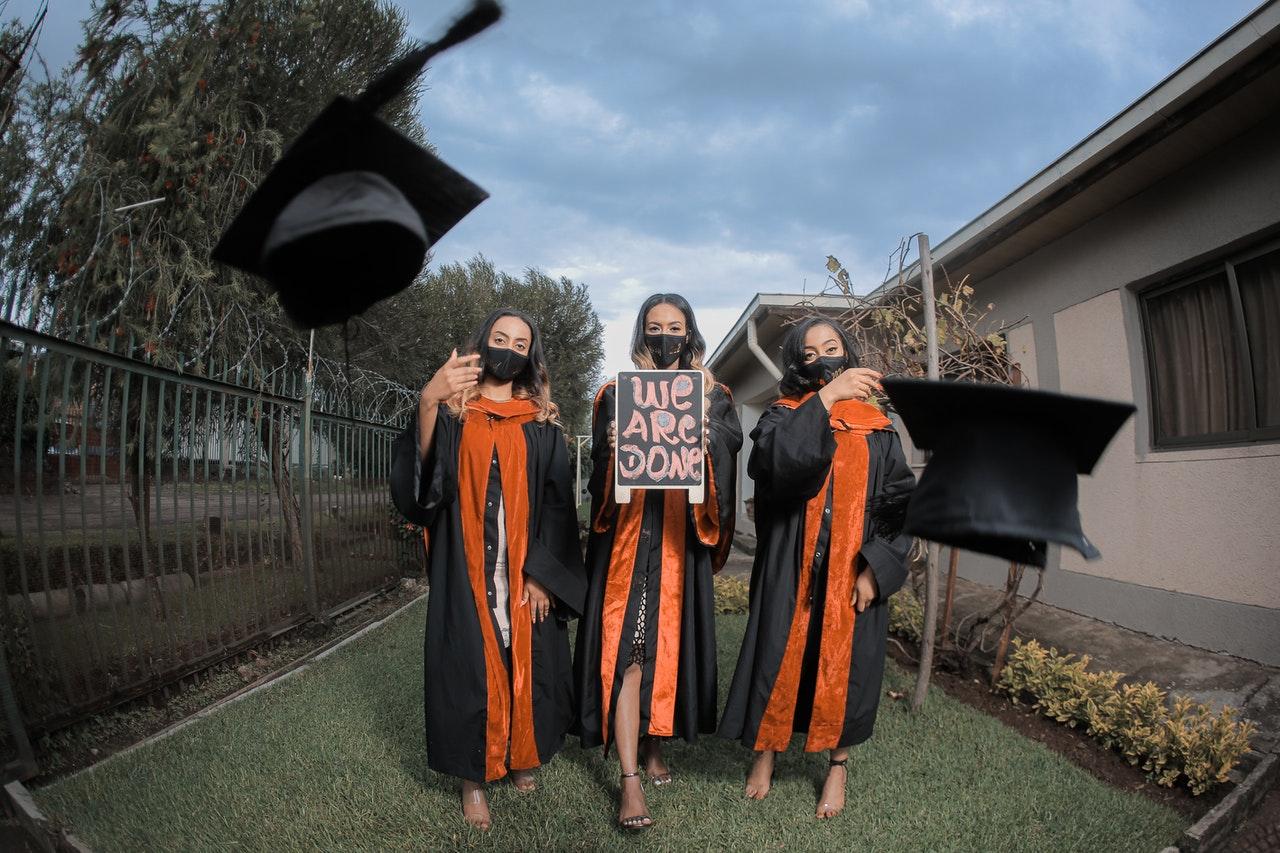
[851, 421]
[509, 716]
[626, 520]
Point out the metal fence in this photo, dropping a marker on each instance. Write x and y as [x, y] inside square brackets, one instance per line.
[153, 523]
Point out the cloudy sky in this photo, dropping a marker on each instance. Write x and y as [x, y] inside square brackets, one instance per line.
[724, 148]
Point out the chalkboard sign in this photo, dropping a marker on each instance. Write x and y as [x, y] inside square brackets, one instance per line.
[660, 432]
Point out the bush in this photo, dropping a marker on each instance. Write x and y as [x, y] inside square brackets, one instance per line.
[733, 595]
[1182, 741]
[906, 614]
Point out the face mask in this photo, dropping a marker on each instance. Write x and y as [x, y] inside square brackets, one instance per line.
[665, 349]
[824, 368]
[504, 364]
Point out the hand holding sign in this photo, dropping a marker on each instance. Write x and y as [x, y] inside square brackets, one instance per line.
[659, 432]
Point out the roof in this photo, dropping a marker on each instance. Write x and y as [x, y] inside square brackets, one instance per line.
[1216, 95]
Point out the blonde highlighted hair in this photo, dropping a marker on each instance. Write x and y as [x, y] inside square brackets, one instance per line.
[695, 351]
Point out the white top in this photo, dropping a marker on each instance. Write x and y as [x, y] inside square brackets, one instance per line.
[501, 589]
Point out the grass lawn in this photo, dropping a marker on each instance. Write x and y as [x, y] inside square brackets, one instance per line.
[333, 760]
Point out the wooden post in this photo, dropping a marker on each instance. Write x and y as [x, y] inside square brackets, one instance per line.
[934, 551]
[1002, 647]
[952, 571]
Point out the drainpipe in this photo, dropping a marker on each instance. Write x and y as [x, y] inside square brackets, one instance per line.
[753, 344]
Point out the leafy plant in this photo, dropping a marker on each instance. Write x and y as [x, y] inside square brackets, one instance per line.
[1180, 741]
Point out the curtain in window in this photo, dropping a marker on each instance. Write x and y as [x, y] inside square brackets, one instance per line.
[1196, 361]
[1259, 283]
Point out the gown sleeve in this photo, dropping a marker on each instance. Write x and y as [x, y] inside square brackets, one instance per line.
[420, 487]
[886, 547]
[555, 551]
[792, 451]
[714, 521]
[600, 485]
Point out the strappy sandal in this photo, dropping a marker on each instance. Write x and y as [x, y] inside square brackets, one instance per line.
[844, 764]
[637, 822]
[658, 779]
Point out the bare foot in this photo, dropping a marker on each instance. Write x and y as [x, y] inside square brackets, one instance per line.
[475, 806]
[654, 767]
[760, 776]
[633, 810]
[524, 781]
[831, 803]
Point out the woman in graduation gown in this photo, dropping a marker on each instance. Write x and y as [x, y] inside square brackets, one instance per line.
[484, 468]
[645, 663]
[831, 486]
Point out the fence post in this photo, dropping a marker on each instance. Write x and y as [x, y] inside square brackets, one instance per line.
[304, 474]
[23, 764]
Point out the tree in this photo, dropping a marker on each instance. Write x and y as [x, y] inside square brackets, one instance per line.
[190, 104]
[406, 338]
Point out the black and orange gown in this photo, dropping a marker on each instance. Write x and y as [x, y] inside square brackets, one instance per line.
[490, 706]
[809, 663]
[649, 596]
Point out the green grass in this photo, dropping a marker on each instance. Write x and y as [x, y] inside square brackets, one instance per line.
[334, 760]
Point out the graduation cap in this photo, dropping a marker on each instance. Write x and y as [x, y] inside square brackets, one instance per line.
[346, 216]
[1002, 477]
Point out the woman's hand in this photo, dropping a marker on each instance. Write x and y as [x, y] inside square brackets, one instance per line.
[613, 436]
[864, 588]
[854, 383]
[538, 599]
[457, 374]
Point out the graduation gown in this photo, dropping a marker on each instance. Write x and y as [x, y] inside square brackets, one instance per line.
[664, 550]
[481, 697]
[805, 666]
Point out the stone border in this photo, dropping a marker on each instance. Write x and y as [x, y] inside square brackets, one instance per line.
[1212, 831]
[40, 830]
[45, 834]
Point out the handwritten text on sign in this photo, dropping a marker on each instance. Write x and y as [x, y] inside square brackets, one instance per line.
[660, 430]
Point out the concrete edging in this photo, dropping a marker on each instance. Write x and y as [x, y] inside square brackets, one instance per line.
[1211, 831]
[50, 838]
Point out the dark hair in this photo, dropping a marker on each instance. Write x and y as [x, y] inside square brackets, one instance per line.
[793, 379]
[534, 382]
[694, 352]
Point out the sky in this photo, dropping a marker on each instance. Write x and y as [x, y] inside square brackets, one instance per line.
[720, 149]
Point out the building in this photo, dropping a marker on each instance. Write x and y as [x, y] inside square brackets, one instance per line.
[1143, 265]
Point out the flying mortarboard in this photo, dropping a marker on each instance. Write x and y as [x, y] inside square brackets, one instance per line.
[1002, 477]
[346, 216]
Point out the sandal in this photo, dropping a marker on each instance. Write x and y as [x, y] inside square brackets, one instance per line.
[634, 822]
[658, 779]
[476, 813]
[524, 781]
[825, 810]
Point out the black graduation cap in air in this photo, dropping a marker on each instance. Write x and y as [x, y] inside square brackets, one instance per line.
[1002, 477]
[346, 216]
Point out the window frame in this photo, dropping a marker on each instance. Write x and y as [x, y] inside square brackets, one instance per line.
[1227, 264]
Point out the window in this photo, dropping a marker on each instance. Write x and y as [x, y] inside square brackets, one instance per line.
[1214, 369]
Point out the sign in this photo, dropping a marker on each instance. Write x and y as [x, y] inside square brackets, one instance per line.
[660, 432]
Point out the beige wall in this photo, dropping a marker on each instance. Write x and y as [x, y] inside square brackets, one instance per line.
[1197, 522]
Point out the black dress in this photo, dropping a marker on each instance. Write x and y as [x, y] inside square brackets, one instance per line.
[488, 706]
[649, 597]
[809, 663]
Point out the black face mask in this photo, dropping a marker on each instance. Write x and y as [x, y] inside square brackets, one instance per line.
[665, 349]
[824, 368]
[504, 364]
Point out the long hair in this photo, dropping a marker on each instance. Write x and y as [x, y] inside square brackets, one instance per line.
[533, 382]
[793, 379]
[695, 350]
